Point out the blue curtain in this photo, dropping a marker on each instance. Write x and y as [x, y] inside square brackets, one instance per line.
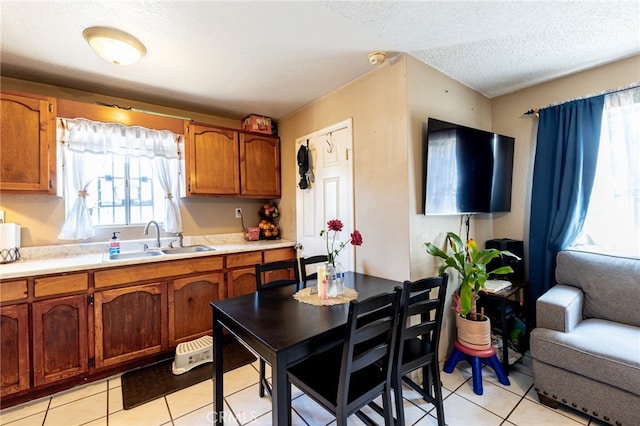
[563, 174]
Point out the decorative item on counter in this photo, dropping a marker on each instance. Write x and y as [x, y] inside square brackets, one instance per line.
[252, 233]
[9, 242]
[335, 272]
[269, 215]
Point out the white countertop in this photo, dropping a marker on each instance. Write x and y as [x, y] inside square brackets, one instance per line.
[77, 257]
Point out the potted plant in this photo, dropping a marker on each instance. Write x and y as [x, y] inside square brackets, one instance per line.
[471, 264]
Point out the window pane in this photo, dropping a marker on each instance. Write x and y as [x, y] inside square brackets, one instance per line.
[110, 188]
[145, 197]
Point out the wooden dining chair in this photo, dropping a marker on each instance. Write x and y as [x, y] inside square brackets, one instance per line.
[306, 261]
[418, 335]
[347, 377]
[277, 274]
[271, 275]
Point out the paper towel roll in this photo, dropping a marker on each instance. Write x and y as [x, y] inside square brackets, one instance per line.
[9, 236]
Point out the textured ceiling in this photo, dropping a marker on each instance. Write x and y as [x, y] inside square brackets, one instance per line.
[272, 58]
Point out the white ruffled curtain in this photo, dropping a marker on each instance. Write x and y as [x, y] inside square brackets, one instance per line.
[613, 217]
[86, 145]
[167, 172]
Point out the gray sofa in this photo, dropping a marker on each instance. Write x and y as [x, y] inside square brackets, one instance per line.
[586, 346]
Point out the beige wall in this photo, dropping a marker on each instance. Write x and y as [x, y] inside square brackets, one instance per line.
[41, 217]
[508, 118]
[376, 103]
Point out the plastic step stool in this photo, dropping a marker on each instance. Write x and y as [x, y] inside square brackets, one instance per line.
[476, 358]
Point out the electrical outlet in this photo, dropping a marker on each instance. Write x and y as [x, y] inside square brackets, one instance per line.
[238, 212]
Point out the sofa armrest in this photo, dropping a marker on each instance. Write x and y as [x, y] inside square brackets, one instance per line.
[560, 308]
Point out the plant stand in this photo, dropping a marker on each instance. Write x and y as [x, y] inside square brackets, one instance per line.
[476, 358]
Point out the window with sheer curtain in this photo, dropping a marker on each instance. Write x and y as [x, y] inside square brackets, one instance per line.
[612, 223]
[118, 175]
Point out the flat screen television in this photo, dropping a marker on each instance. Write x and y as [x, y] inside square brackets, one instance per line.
[466, 170]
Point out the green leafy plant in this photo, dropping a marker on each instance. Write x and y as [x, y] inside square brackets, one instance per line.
[471, 264]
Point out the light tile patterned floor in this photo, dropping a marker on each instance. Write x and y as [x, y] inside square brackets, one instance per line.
[101, 404]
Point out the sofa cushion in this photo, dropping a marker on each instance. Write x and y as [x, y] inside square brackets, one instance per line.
[598, 349]
[611, 284]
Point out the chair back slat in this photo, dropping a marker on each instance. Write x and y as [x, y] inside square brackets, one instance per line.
[282, 266]
[417, 301]
[307, 261]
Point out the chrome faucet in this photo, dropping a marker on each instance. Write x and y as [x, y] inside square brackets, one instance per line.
[180, 240]
[146, 231]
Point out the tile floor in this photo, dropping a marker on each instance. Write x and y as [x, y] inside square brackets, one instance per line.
[100, 403]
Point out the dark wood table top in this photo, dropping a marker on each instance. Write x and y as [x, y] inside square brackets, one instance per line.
[277, 320]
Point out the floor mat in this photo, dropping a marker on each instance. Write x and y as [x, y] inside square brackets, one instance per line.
[154, 381]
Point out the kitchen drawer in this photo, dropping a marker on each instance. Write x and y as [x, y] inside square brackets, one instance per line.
[13, 290]
[156, 270]
[60, 284]
[274, 255]
[243, 259]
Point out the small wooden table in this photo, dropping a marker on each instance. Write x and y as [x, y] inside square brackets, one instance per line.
[502, 296]
[284, 332]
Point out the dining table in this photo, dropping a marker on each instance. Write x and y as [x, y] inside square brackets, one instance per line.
[284, 331]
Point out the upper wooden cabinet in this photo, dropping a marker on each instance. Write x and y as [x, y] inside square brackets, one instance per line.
[28, 149]
[227, 162]
[211, 159]
[259, 165]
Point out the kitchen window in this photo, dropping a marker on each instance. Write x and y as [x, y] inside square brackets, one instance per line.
[118, 175]
[126, 193]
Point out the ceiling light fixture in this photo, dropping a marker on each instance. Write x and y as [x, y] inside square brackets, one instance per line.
[115, 46]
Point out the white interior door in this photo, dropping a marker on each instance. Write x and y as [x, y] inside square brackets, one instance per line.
[330, 194]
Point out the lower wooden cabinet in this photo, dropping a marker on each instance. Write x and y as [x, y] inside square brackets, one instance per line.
[14, 348]
[241, 281]
[53, 327]
[189, 308]
[241, 275]
[60, 330]
[130, 323]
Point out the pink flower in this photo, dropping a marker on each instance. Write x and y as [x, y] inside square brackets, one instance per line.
[356, 238]
[335, 225]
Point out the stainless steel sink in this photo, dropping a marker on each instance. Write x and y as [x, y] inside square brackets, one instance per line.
[186, 249]
[134, 255]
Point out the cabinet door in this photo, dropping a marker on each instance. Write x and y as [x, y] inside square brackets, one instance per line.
[241, 281]
[212, 160]
[259, 165]
[14, 348]
[275, 255]
[28, 134]
[129, 323]
[60, 347]
[189, 308]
